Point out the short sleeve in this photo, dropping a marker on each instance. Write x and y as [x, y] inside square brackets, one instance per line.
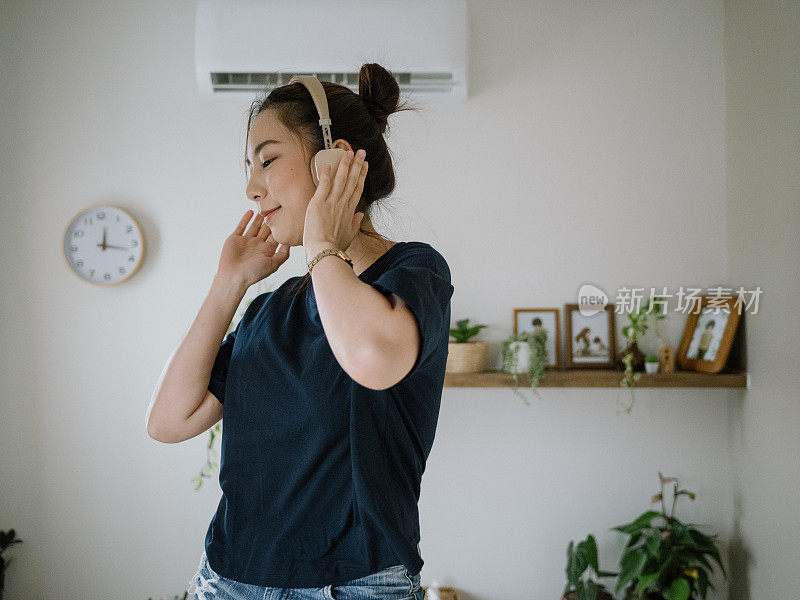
[219, 372]
[422, 281]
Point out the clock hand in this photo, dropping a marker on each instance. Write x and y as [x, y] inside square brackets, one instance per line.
[117, 247]
[104, 237]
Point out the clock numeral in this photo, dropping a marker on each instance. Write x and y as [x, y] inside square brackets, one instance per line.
[129, 228]
[91, 272]
[117, 218]
[73, 248]
[79, 264]
[78, 233]
[131, 259]
[122, 270]
[87, 221]
[134, 243]
[107, 276]
[101, 215]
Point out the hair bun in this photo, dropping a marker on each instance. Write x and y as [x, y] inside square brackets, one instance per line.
[379, 91]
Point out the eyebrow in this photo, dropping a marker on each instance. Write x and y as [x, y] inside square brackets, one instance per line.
[259, 147]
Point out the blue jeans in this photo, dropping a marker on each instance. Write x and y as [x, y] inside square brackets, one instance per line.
[393, 583]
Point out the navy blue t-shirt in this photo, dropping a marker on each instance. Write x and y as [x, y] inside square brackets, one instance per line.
[320, 476]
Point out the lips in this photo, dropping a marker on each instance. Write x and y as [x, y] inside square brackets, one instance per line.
[266, 213]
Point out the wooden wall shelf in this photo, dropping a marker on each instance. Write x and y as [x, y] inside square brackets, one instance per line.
[601, 378]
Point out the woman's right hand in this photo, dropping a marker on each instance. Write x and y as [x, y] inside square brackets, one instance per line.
[251, 256]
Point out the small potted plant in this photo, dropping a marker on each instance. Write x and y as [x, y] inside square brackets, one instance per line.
[464, 356]
[525, 352]
[669, 560]
[579, 560]
[6, 540]
[651, 364]
[636, 328]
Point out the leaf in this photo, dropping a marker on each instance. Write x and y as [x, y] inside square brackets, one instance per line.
[570, 570]
[653, 543]
[591, 551]
[581, 560]
[634, 538]
[641, 522]
[631, 567]
[702, 582]
[645, 581]
[680, 589]
[591, 590]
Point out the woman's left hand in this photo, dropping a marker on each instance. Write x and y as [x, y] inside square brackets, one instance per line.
[331, 220]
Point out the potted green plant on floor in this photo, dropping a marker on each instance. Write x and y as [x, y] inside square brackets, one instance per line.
[7, 539]
[579, 559]
[668, 560]
[212, 456]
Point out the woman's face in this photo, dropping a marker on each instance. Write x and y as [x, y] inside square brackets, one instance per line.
[279, 175]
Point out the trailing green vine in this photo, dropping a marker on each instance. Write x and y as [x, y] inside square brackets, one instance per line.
[536, 366]
[628, 381]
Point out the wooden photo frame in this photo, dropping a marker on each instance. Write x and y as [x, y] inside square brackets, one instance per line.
[525, 321]
[591, 341]
[708, 334]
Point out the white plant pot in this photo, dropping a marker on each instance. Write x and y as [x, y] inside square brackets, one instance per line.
[523, 354]
[651, 367]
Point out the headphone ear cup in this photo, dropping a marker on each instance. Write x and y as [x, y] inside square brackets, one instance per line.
[314, 171]
[331, 156]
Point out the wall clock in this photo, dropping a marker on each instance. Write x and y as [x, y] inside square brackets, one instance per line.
[103, 245]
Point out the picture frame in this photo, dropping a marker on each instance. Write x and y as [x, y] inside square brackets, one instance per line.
[591, 340]
[525, 322]
[708, 334]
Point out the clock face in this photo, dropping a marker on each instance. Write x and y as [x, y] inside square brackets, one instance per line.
[103, 245]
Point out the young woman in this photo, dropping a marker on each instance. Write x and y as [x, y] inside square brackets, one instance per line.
[330, 385]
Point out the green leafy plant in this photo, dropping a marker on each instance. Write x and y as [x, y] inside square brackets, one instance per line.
[212, 457]
[462, 331]
[655, 306]
[7, 539]
[637, 325]
[538, 361]
[629, 380]
[667, 561]
[579, 559]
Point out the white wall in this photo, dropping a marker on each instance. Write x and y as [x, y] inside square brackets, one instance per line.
[591, 150]
[762, 52]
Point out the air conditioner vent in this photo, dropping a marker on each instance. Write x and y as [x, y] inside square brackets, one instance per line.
[253, 82]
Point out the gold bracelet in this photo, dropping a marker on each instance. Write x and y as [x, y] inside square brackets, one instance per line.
[326, 252]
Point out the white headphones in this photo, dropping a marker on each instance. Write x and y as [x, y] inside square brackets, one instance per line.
[328, 156]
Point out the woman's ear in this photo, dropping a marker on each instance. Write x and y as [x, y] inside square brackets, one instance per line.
[342, 143]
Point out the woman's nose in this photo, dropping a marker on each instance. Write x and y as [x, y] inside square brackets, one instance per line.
[254, 191]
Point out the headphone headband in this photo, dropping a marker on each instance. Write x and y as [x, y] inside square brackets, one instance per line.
[317, 92]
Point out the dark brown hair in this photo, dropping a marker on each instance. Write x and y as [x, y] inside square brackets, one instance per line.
[360, 118]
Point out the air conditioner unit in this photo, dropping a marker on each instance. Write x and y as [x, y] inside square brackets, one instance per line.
[244, 46]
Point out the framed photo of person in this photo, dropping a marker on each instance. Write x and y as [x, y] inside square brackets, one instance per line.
[591, 340]
[708, 334]
[534, 320]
